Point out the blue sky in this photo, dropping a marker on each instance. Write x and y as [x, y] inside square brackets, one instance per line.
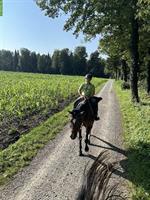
[24, 25]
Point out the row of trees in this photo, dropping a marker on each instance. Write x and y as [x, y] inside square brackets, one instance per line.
[124, 25]
[61, 62]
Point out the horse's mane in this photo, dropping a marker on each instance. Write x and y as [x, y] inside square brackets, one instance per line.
[96, 182]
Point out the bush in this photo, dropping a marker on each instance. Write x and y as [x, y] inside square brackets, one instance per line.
[125, 86]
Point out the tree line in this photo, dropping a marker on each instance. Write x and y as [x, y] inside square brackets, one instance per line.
[61, 62]
[124, 26]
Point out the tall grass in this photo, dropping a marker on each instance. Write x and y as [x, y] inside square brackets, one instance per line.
[136, 124]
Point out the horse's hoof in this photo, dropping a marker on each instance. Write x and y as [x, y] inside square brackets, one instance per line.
[86, 148]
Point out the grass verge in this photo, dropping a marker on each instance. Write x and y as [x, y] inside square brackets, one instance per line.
[136, 125]
[18, 155]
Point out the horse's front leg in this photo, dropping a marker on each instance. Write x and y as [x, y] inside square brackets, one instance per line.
[87, 141]
[80, 143]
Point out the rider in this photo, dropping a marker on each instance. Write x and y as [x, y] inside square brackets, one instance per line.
[87, 90]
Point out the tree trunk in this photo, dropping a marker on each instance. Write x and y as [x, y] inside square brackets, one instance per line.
[148, 73]
[116, 74]
[124, 70]
[135, 58]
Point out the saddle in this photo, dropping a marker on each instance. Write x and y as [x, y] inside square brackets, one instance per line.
[84, 105]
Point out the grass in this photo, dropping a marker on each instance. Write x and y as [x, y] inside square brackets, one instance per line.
[136, 125]
[18, 155]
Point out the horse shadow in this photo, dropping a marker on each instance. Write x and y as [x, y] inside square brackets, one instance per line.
[135, 166]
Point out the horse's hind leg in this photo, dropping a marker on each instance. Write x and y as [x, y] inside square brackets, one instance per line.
[80, 143]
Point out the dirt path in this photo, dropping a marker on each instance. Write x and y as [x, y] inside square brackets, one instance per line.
[57, 171]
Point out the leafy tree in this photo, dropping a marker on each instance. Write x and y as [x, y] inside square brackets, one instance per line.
[15, 66]
[42, 63]
[6, 60]
[65, 61]
[48, 64]
[56, 62]
[25, 60]
[94, 65]
[101, 17]
[144, 40]
[79, 61]
[116, 46]
[33, 58]
[113, 67]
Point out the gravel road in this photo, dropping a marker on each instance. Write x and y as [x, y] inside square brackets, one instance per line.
[56, 173]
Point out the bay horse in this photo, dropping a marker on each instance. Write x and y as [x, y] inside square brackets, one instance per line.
[83, 115]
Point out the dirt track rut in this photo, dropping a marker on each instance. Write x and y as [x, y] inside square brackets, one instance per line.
[57, 171]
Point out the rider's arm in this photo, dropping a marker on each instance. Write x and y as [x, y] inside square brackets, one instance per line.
[92, 91]
[80, 90]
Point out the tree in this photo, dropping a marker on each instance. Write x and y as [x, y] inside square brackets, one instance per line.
[25, 60]
[48, 64]
[101, 17]
[94, 65]
[33, 58]
[56, 62]
[15, 66]
[113, 67]
[42, 63]
[79, 61]
[116, 46]
[65, 61]
[6, 60]
[144, 39]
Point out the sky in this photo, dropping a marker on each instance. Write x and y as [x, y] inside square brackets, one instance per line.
[24, 25]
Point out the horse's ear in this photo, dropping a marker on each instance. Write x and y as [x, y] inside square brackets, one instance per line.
[99, 98]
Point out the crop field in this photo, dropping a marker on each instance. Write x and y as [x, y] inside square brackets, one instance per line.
[25, 95]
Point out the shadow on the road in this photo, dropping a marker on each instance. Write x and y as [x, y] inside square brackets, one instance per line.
[135, 167]
[90, 156]
[110, 146]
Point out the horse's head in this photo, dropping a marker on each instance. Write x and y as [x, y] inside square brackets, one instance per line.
[76, 121]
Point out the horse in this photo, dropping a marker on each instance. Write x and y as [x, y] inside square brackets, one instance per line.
[84, 115]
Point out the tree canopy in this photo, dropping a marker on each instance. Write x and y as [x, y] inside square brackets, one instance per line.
[61, 62]
[119, 22]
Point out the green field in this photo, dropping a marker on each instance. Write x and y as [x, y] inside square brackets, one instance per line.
[136, 125]
[23, 95]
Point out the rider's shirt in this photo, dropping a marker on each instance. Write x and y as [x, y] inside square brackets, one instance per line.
[87, 89]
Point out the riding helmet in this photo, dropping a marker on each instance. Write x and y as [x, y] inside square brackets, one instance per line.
[88, 76]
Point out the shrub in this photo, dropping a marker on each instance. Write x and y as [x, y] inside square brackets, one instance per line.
[125, 86]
